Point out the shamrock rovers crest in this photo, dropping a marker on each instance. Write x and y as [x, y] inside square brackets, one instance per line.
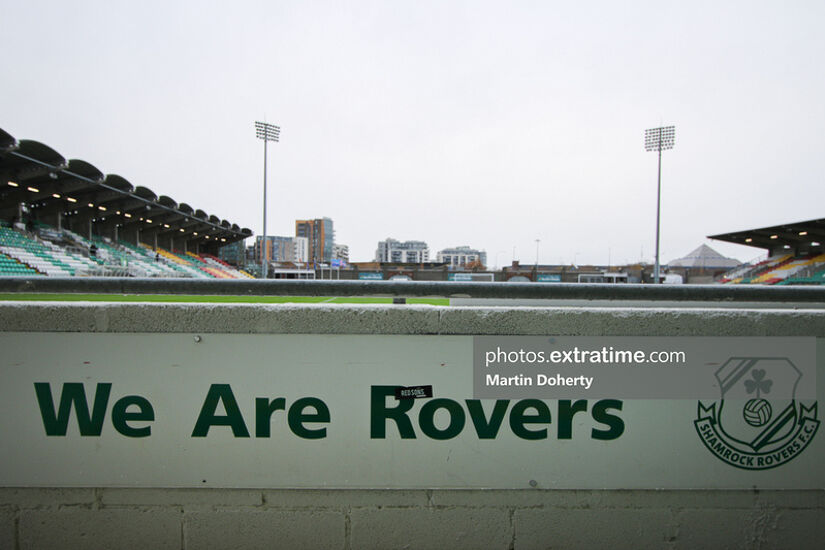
[757, 423]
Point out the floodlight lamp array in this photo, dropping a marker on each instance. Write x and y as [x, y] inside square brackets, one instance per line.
[268, 132]
[660, 139]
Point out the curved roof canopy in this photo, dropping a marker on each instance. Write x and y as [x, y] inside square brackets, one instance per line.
[83, 168]
[800, 237]
[167, 201]
[36, 175]
[145, 193]
[45, 154]
[7, 142]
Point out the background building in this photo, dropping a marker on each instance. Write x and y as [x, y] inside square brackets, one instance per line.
[233, 253]
[391, 250]
[462, 256]
[702, 265]
[320, 238]
[340, 252]
[300, 247]
[281, 249]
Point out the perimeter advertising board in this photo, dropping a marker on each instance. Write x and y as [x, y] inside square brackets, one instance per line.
[392, 411]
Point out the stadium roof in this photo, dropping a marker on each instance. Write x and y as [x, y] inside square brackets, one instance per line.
[38, 176]
[800, 236]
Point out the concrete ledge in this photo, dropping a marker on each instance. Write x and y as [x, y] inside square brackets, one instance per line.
[217, 318]
[632, 321]
[383, 319]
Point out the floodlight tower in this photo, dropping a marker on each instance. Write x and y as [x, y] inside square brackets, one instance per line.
[266, 132]
[659, 139]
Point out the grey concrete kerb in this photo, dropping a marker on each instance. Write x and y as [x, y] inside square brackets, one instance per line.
[407, 319]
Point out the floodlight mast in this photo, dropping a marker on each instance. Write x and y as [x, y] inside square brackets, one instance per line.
[659, 139]
[266, 132]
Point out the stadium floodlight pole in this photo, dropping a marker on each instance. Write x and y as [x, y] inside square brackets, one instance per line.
[266, 132]
[659, 139]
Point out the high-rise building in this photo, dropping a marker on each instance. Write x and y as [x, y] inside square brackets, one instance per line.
[300, 250]
[320, 238]
[394, 251]
[282, 249]
[462, 256]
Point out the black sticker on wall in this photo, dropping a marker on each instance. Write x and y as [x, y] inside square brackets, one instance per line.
[413, 392]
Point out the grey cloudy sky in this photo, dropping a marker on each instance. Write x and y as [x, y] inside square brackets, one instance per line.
[489, 124]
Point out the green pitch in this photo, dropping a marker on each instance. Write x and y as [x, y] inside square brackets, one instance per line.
[215, 299]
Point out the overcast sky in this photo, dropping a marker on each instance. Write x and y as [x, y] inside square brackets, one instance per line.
[488, 124]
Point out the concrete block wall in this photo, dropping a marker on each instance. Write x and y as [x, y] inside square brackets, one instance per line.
[95, 517]
[194, 519]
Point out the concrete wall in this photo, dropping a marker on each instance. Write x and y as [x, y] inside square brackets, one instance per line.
[508, 519]
[203, 518]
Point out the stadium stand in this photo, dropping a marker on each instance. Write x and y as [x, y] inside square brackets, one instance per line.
[33, 253]
[10, 267]
[65, 254]
[66, 218]
[795, 254]
[221, 265]
[812, 275]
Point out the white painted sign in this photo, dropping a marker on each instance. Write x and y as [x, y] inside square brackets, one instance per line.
[259, 411]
